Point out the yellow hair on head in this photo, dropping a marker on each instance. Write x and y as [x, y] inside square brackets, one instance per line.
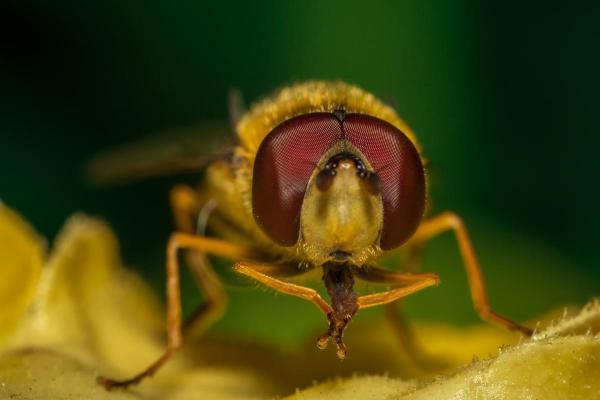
[309, 97]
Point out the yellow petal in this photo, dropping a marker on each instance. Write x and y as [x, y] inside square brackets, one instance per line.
[21, 258]
[363, 388]
[549, 366]
[90, 314]
[89, 308]
[565, 368]
[40, 375]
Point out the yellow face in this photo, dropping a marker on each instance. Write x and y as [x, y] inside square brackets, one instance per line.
[341, 222]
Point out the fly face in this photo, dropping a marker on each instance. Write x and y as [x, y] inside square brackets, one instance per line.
[342, 212]
[341, 186]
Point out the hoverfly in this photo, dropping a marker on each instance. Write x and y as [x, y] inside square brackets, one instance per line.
[324, 176]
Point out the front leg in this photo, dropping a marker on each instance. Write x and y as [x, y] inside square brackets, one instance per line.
[344, 303]
[267, 273]
[339, 282]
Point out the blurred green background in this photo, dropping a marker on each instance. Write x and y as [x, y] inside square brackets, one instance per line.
[503, 95]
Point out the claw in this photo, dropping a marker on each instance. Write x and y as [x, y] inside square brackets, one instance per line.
[110, 384]
[341, 350]
[323, 341]
[335, 332]
[107, 383]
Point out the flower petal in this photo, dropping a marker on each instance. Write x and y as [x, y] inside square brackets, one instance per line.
[550, 366]
[21, 258]
[42, 375]
[88, 307]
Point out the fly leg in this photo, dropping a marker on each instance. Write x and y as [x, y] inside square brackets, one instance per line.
[410, 263]
[339, 285]
[189, 211]
[410, 282]
[450, 221]
[267, 273]
[338, 316]
[174, 337]
[339, 282]
[400, 326]
[176, 242]
[185, 206]
[345, 302]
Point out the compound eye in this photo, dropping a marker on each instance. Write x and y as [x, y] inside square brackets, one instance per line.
[283, 166]
[398, 164]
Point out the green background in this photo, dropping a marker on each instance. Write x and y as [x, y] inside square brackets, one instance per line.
[503, 96]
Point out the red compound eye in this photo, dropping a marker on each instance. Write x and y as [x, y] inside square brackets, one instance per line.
[284, 163]
[398, 164]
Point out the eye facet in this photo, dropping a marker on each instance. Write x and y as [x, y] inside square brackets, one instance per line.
[284, 163]
[398, 164]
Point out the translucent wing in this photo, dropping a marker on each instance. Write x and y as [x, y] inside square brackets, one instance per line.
[181, 151]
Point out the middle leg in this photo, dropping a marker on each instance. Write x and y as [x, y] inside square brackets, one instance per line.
[410, 282]
[189, 211]
[400, 326]
[177, 242]
[267, 275]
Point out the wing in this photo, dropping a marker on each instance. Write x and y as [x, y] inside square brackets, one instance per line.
[181, 151]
